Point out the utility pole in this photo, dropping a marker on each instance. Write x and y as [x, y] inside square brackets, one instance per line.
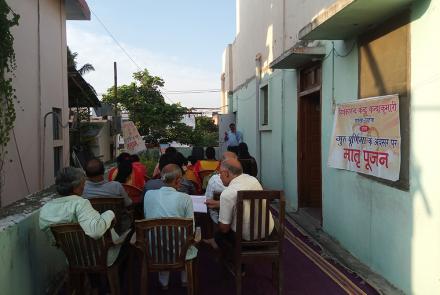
[115, 74]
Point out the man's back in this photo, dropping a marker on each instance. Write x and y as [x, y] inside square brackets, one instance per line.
[105, 189]
[228, 202]
[74, 209]
[167, 202]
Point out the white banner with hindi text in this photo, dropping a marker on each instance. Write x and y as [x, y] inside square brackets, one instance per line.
[133, 142]
[366, 137]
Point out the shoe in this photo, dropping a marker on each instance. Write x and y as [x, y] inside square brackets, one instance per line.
[164, 288]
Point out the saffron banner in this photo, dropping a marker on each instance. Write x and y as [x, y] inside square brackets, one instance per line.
[366, 137]
[133, 142]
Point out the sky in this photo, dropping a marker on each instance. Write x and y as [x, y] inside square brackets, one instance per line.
[180, 41]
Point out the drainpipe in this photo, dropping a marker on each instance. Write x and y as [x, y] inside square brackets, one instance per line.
[257, 112]
[40, 94]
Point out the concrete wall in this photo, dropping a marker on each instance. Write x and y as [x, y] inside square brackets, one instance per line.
[392, 231]
[30, 264]
[41, 84]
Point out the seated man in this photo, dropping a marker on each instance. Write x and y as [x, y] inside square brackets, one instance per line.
[168, 202]
[215, 185]
[97, 186]
[71, 208]
[231, 174]
[186, 186]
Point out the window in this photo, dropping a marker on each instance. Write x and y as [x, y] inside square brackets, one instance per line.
[56, 123]
[384, 68]
[57, 159]
[264, 105]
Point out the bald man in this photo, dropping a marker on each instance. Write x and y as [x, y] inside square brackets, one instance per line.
[231, 174]
[168, 202]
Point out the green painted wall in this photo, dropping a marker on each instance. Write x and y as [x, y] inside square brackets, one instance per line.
[394, 232]
[279, 142]
[29, 264]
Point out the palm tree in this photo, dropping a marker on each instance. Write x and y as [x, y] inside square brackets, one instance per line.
[72, 63]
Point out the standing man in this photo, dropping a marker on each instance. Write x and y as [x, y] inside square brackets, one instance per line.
[233, 138]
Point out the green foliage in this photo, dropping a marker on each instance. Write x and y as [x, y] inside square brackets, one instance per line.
[155, 119]
[205, 133]
[150, 158]
[72, 64]
[8, 19]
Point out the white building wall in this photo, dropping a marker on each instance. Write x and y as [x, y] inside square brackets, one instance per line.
[41, 84]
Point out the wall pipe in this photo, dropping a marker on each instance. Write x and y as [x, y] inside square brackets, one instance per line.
[257, 112]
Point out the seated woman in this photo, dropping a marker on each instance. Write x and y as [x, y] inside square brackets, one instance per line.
[248, 162]
[191, 175]
[138, 167]
[125, 172]
[210, 164]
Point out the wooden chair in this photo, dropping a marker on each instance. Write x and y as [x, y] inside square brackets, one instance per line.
[124, 216]
[259, 247]
[163, 243]
[86, 255]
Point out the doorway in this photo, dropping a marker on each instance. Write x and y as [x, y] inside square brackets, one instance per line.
[309, 143]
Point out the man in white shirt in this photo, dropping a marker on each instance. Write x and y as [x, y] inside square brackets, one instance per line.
[231, 174]
[215, 185]
[71, 208]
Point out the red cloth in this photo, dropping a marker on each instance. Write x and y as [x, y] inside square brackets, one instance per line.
[136, 177]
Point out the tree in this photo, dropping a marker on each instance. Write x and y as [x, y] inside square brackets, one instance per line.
[155, 119]
[205, 133]
[72, 64]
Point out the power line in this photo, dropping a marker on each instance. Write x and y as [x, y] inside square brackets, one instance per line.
[165, 92]
[116, 41]
[123, 49]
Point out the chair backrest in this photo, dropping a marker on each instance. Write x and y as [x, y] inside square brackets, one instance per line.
[133, 192]
[117, 205]
[82, 251]
[164, 241]
[258, 206]
[102, 204]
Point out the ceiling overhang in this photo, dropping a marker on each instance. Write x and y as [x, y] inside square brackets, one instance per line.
[298, 56]
[77, 10]
[345, 19]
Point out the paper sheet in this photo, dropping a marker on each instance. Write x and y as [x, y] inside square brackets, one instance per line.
[199, 204]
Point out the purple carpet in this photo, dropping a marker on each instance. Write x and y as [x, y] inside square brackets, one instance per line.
[305, 272]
